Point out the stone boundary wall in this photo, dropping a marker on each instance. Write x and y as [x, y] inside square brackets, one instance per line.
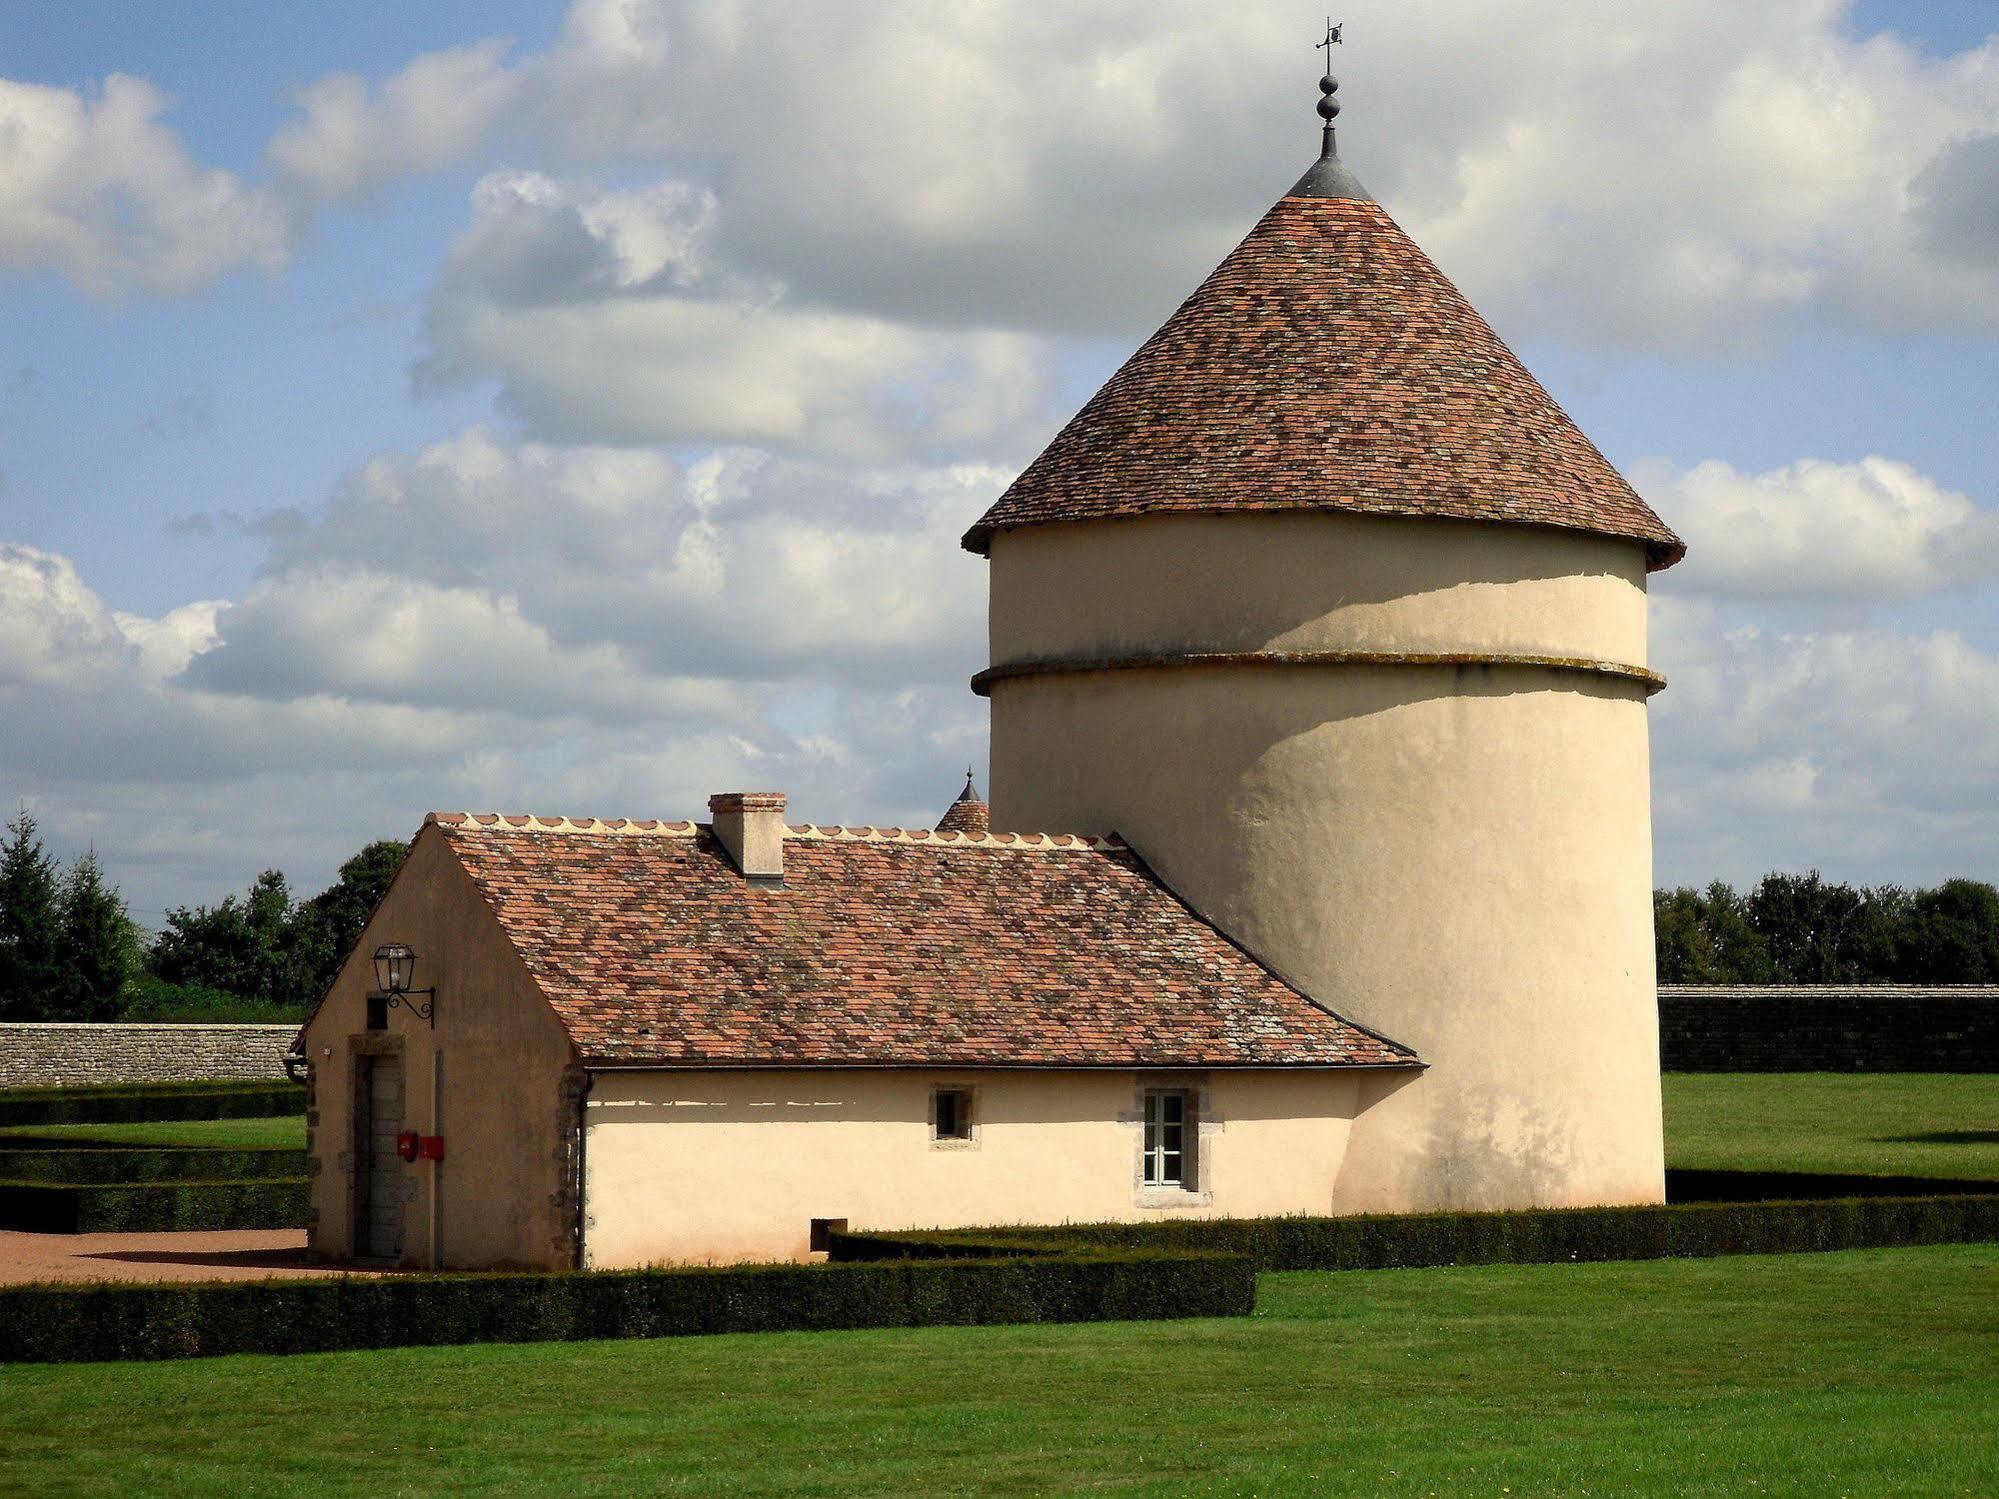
[1823, 1028]
[36, 1055]
[1761, 1028]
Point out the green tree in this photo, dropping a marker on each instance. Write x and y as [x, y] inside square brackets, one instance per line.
[99, 947]
[1744, 955]
[1813, 929]
[1879, 946]
[1951, 935]
[268, 949]
[327, 925]
[30, 923]
[1704, 937]
[1685, 951]
[246, 948]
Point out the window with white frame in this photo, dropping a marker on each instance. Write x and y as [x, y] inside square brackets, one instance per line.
[1169, 1138]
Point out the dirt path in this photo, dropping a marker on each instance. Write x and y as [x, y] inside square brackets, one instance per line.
[242, 1254]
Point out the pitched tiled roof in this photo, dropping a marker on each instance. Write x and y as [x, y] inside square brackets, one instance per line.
[883, 948]
[1327, 364]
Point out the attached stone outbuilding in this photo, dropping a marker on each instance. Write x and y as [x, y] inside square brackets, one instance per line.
[670, 1042]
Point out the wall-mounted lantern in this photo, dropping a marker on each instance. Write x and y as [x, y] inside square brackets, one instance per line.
[395, 968]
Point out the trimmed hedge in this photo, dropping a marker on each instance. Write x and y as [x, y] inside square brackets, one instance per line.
[59, 1324]
[1379, 1242]
[150, 1103]
[70, 1162]
[1686, 1185]
[153, 1207]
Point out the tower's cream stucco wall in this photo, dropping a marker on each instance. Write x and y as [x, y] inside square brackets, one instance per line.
[717, 1167]
[1457, 856]
[1314, 580]
[490, 1079]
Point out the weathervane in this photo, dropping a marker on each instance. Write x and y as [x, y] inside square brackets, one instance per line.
[1329, 85]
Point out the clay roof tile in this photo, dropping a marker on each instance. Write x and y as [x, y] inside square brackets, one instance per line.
[999, 951]
[1327, 364]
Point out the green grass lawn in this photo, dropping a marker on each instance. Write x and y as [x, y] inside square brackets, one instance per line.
[284, 1129]
[1883, 1123]
[1867, 1372]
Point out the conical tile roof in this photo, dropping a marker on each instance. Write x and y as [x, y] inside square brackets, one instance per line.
[1327, 364]
[968, 814]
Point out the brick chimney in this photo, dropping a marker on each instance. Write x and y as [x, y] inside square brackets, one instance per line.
[750, 825]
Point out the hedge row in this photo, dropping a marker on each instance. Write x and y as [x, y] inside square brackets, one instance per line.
[1686, 1185]
[1372, 1242]
[75, 1163]
[74, 1323]
[150, 1102]
[153, 1207]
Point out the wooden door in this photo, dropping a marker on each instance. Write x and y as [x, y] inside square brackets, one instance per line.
[378, 1226]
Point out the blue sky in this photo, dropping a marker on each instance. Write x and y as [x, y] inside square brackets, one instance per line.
[338, 421]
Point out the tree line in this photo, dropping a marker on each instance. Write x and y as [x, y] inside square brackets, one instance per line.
[1805, 929]
[69, 949]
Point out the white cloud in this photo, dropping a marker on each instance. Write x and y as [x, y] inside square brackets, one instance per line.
[1585, 171]
[50, 623]
[1871, 753]
[166, 645]
[352, 139]
[1842, 532]
[98, 191]
[597, 631]
[370, 638]
[604, 319]
[733, 567]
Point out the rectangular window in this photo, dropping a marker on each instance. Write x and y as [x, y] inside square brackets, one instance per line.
[951, 1114]
[1169, 1155]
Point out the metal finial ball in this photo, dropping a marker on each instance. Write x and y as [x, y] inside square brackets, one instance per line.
[1329, 84]
[1328, 107]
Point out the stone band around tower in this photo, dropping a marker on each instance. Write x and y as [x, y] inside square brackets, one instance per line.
[1651, 681]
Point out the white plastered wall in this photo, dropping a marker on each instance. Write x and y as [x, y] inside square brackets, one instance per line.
[1456, 856]
[717, 1167]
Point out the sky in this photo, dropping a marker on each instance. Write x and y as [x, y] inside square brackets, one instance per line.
[575, 409]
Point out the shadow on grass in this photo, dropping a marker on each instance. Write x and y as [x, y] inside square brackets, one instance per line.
[1943, 1137]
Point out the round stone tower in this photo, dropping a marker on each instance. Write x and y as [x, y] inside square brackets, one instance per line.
[1328, 609]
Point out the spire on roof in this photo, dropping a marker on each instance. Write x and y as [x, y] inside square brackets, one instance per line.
[1328, 177]
[967, 814]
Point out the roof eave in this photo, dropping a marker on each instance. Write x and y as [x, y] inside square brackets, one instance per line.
[1661, 551]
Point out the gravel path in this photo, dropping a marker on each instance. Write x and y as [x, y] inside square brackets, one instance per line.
[243, 1254]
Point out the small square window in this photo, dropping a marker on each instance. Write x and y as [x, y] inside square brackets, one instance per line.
[378, 1012]
[1169, 1139]
[951, 1114]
